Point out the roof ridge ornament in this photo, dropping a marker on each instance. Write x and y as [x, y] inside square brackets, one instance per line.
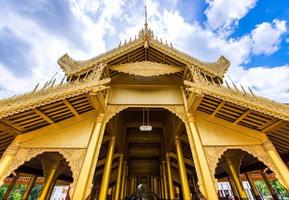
[146, 33]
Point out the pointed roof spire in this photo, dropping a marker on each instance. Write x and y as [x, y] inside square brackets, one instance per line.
[146, 32]
[146, 18]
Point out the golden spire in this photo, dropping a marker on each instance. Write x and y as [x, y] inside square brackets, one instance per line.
[146, 32]
[146, 18]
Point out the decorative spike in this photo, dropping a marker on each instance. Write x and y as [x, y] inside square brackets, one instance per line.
[219, 81]
[135, 37]
[45, 85]
[130, 39]
[228, 86]
[251, 92]
[119, 44]
[233, 83]
[156, 38]
[53, 82]
[34, 90]
[62, 81]
[171, 45]
[125, 42]
[245, 92]
[161, 41]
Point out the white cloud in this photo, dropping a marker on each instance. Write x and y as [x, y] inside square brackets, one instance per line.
[269, 82]
[121, 22]
[225, 13]
[267, 36]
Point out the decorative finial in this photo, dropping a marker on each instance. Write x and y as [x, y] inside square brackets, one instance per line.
[146, 18]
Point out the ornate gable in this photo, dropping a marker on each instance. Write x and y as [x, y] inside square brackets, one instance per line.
[145, 47]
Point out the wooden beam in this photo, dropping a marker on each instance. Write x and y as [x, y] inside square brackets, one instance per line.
[274, 125]
[45, 117]
[187, 161]
[14, 126]
[105, 139]
[102, 161]
[194, 101]
[218, 108]
[96, 102]
[242, 117]
[71, 108]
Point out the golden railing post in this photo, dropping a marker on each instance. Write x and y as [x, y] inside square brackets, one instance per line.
[10, 187]
[165, 180]
[88, 166]
[253, 187]
[170, 178]
[278, 163]
[118, 181]
[234, 174]
[182, 170]
[107, 170]
[29, 187]
[207, 186]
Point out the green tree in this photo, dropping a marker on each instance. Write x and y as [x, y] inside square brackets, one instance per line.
[35, 192]
[262, 188]
[3, 189]
[17, 192]
[280, 190]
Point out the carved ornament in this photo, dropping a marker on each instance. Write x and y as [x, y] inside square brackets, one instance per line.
[73, 156]
[146, 68]
[214, 154]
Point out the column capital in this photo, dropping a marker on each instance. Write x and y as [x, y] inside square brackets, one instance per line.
[191, 117]
[177, 139]
[12, 149]
[268, 145]
[99, 117]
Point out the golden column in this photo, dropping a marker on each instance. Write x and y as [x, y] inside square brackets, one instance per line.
[118, 180]
[253, 187]
[50, 178]
[182, 169]
[123, 181]
[155, 181]
[161, 183]
[7, 159]
[10, 187]
[204, 175]
[88, 166]
[29, 187]
[107, 170]
[280, 166]
[233, 188]
[165, 180]
[234, 175]
[170, 178]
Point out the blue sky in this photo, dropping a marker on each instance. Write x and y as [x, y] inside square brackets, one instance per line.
[252, 34]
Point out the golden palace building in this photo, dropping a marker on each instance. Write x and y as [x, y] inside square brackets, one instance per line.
[143, 120]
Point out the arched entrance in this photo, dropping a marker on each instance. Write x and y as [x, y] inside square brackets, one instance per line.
[242, 176]
[46, 174]
[133, 161]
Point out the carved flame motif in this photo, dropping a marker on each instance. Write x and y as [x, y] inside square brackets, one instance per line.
[146, 68]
